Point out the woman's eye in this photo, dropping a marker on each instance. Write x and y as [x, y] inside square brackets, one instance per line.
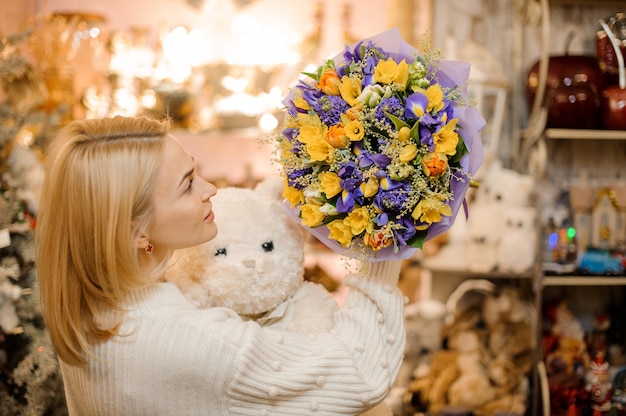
[220, 252]
[268, 246]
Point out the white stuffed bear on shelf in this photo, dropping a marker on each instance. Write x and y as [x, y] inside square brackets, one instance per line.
[517, 247]
[502, 202]
[255, 264]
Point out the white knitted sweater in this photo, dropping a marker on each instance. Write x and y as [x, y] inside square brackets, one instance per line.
[184, 361]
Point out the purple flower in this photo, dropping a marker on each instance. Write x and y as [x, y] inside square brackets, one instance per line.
[391, 105]
[416, 105]
[329, 108]
[387, 183]
[310, 95]
[370, 65]
[345, 202]
[354, 55]
[367, 159]
[428, 126]
[448, 110]
[358, 196]
[293, 176]
[405, 233]
[290, 134]
[351, 179]
[392, 200]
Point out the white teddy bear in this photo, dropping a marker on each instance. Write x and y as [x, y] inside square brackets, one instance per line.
[516, 250]
[503, 195]
[255, 264]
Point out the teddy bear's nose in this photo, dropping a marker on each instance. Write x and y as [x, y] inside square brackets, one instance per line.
[249, 264]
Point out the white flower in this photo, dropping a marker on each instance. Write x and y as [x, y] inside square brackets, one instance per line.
[373, 94]
[328, 209]
[312, 195]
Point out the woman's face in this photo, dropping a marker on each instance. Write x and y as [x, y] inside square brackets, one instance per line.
[183, 214]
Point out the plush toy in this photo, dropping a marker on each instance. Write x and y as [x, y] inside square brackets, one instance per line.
[255, 264]
[487, 355]
[506, 187]
[483, 237]
[472, 388]
[516, 250]
[498, 199]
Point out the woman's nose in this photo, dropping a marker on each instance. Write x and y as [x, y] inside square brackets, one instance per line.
[209, 190]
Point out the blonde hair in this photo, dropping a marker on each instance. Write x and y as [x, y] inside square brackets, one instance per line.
[96, 200]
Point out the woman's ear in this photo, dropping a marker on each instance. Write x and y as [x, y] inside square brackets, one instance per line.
[141, 242]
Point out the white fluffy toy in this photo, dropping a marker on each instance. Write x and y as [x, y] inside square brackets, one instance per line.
[255, 265]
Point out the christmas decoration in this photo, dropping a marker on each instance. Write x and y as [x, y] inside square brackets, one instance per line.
[30, 381]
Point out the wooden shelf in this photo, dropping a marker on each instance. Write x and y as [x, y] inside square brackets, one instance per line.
[476, 275]
[583, 281]
[585, 134]
[594, 3]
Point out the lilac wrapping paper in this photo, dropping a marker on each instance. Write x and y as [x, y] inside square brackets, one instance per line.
[448, 74]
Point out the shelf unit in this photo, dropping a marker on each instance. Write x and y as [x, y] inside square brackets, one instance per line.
[583, 281]
[582, 134]
[558, 154]
[553, 144]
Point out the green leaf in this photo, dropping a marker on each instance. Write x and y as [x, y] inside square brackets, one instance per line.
[415, 132]
[461, 150]
[397, 122]
[316, 77]
[418, 239]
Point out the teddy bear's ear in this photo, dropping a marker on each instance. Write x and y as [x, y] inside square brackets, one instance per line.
[271, 186]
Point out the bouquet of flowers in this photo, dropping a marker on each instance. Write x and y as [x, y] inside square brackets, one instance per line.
[379, 147]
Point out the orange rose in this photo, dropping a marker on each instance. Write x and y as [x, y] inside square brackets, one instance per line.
[330, 82]
[336, 137]
[377, 241]
[434, 164]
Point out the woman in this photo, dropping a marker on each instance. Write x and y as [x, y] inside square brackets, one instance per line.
[120, 195]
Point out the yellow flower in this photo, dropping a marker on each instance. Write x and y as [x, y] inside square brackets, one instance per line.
[316, 146]
[340, 232]
[350, 89]
[389, 71]
[330, 184]
[430, 210]
[369, 187]
[306, 119]
[301, 103]
[329, 82]
[293, 195]
[402, 76]
[446, 139]
[354, 130]
[336, 137]
[434, 164]
[403, 134]
[358, 220]
[311, 215]
[408, 153]
[435, 98]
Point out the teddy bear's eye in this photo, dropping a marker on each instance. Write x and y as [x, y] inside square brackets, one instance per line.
[220, 252]
[268, 246]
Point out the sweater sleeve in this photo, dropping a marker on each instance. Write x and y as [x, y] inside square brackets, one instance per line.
[344, 372]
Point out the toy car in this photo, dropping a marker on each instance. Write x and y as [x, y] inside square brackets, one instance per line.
[600, 263]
